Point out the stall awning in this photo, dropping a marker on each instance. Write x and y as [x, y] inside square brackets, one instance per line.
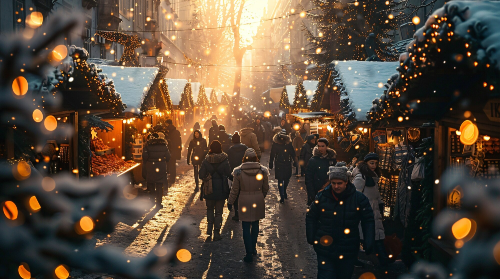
[175, 88]
[312, 115]
[363, 81]
[132, 83]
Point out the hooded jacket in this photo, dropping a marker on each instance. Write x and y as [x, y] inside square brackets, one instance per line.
[317, 169]
[282, 156]
[155, 157]
[250, 189]
[236, 154]
[197, 150]
[218, 166]
[249, 139]
[306, 152]
[366, 182]
[332, 223]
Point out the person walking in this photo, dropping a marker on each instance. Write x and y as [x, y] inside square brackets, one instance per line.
[297, 144]
[174, 142]
[235, 155]
[286, 126]
[197, 151]
[213, 133]
[249, 139]
[317, 168]
[196, 126]
[332, 226]
[268, 133]
[250, 187]
[155, 157]
[215, 172]
[208, 123]
[260, 132]
[224, 139]
[282, 156]
[306, 153]
[365, 177]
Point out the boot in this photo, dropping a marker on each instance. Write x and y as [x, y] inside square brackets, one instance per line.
[248, 258]
[217, 235]
[210, 228]
[282, 195]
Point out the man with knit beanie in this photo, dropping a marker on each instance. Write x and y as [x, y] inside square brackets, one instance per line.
[332, 225]
[236, 154]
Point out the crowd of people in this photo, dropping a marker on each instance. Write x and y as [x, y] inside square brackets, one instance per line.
[344, 204]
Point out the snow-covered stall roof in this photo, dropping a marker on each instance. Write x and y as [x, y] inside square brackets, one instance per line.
[312, 115]
[363, 81]
[175, 88]
[132, 83]
[310, 87]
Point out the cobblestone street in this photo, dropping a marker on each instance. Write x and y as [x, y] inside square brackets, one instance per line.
[282, 248]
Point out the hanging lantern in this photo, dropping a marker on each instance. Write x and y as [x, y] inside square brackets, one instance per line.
[468, 133]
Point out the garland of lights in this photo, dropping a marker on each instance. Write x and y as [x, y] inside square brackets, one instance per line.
[213, 98]
[129, 42]
[202, 98]
[300, 99]
[186, 98]
[438, 53]
[284, 100]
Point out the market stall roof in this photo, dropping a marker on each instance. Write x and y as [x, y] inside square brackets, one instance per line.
[175, 88]
[132, 83]
[312, 115]
[363, 81]
[310, 87]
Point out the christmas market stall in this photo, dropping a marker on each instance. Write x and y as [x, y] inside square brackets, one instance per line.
[445, 98]
[142, 92]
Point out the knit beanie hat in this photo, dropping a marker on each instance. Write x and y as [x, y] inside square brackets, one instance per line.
[250, 153]
[324, 140]
[339, 173]
[222, 128]
[215, 147]
[371, 156]
[236, 138]
[340, 164]
[283, 132]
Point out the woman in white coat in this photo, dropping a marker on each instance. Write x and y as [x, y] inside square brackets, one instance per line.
[365, 177]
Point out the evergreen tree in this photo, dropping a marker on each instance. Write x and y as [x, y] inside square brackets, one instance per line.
[190, 96]
[213, 98]
[225, 99]
[284, 100]
[202, 98]
[166, 96]
[300, 99]
[185, 104]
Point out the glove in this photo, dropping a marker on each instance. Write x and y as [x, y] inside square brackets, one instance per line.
[381, 209]
[229, 207]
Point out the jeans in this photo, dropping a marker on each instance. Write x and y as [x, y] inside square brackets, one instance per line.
[196, 177]
[282, 185]
[214, 213]
[250, 234]
[155, 191]
[335, 268]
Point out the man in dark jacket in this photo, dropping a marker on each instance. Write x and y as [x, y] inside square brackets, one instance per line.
[197, 151]
[208, 124]
[155, 157]
[174, 142]
[282, 156]
[332, 226]
[224, 139]
[236, 154]
[259, 131]
[317, 168]
[213, 133]
[306, 153]
[216, 165]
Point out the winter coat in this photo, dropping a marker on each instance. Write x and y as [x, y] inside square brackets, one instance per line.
[287, 127]
[259, 131]
[218, 166]
[297, 144]
[155, 157]
[236, 154]
[282, 157]
[225, 140]
[249, 139]
[332, 223]
[174, 142]
[317, 169]
[366, 182]
[191, 136]
[250, 189]
[197, 150]
[306, 152]
[208, 124]
[213, 134]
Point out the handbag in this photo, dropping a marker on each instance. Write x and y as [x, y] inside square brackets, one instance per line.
[417, 174]
[207, 186]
